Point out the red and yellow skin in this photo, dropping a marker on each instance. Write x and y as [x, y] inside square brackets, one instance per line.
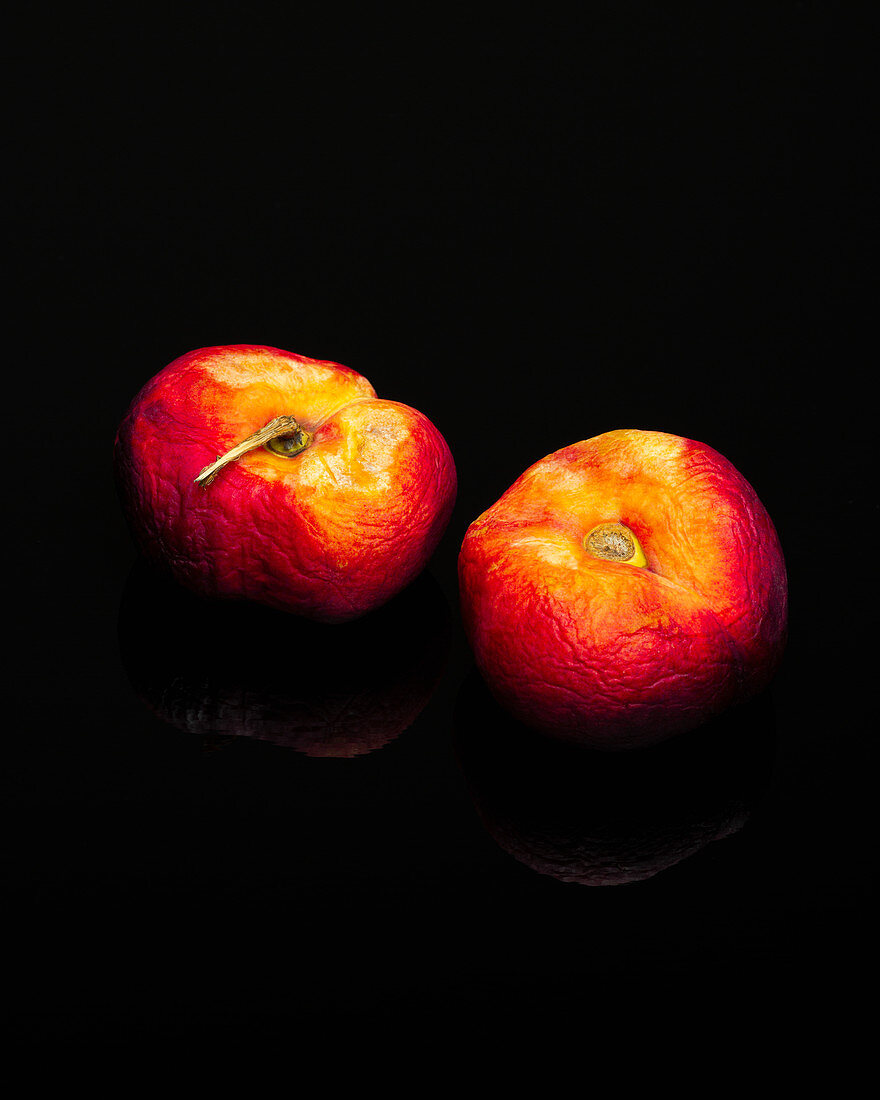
[620, 654]
[330, 533]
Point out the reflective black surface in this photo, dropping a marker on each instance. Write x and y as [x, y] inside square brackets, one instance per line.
[603, 819]
[534, 234]
[234, 669]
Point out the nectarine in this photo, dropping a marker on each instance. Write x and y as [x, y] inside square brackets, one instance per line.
[624, 589]
[253, 473]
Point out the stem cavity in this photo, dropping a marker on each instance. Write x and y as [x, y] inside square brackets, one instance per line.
[615, 542]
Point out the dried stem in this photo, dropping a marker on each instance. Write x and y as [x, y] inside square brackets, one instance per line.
[275, 429]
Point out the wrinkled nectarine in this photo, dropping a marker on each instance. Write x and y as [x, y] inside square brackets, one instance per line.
[253, 473]
[624, 589]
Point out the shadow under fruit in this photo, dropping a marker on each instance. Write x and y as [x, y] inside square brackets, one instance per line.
[586, 816]
[225, 669]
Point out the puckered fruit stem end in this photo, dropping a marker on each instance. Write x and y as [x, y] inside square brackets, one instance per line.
[615, 542]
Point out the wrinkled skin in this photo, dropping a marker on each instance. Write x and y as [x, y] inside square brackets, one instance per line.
[330, 534]
[607, 654]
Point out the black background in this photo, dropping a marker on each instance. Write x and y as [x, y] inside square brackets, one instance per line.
[534, 230]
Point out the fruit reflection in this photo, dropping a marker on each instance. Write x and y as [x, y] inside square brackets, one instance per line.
[600, 819]
[242, 670]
